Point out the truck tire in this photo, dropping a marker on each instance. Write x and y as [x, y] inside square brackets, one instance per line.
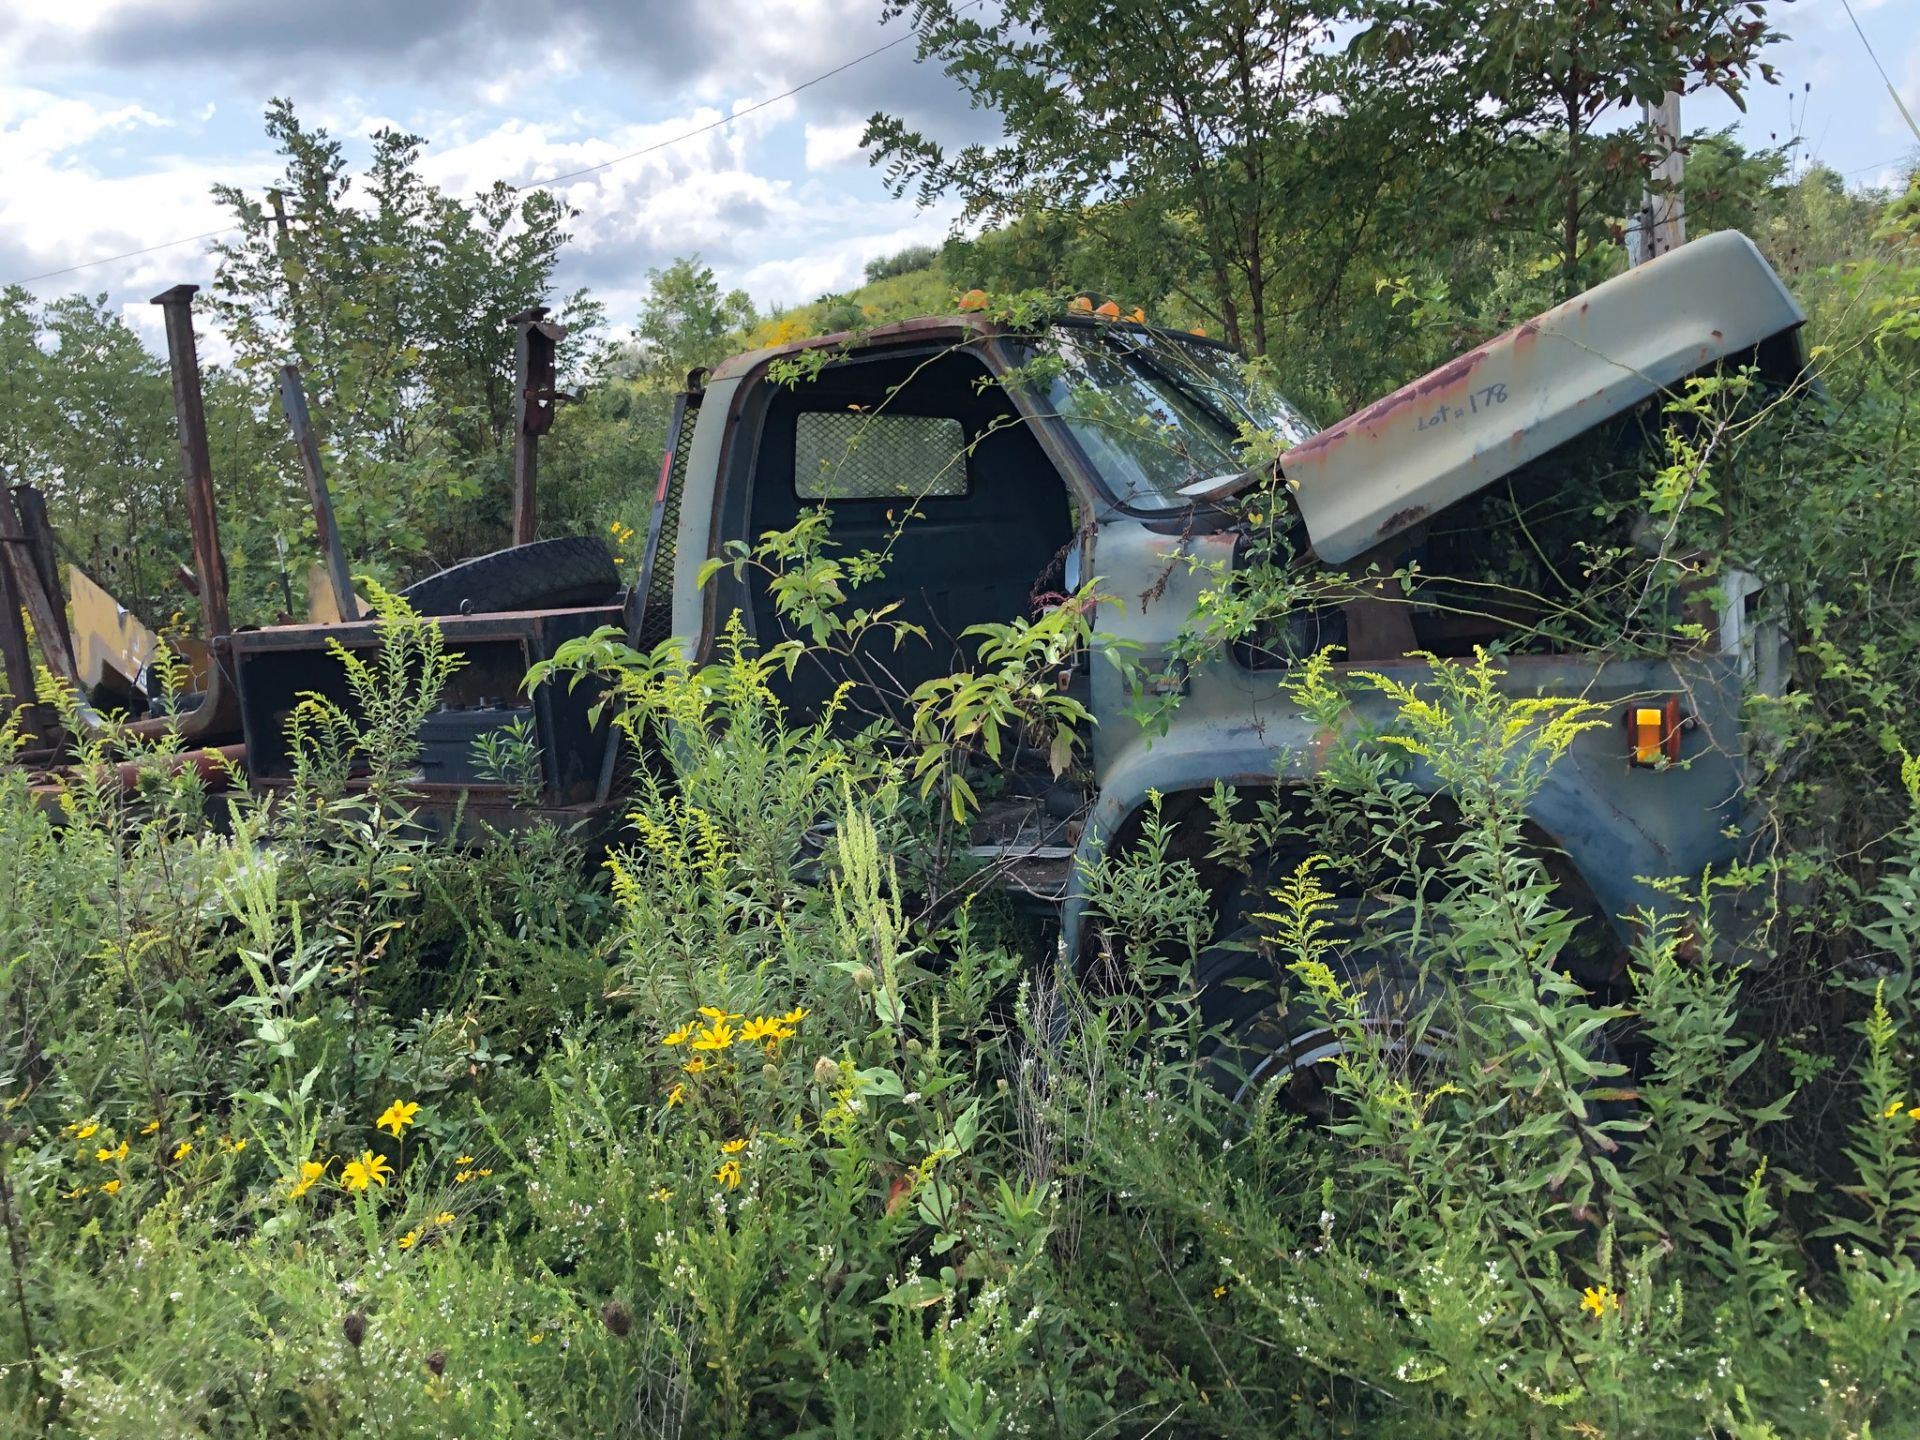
[574, 570]
[1267, 1034]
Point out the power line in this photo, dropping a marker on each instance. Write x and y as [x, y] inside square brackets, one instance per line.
[128, 255]
[723, 120]
[721, 123]
[1899, 104]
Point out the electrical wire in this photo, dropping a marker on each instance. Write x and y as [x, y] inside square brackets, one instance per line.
[1899, 104]
[553, 180]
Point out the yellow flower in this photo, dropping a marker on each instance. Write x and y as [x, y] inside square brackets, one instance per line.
[445, 1217]
[695, 1066]
[1895, 1108]
[1219, 1292]
[483, 1172]
[369, 1169]
[679, 1037]
[149, 1127]
[107, 1157]
[397, 1117]
[1598, 1298]
[795, 1015]
[729, 1174]
[1914, 1114]
[463, 1159]
[76, 1192]
[663, 1194]
[719, 1037]
[83, 1131]
[182, 1150]
[311, 1171]
[234, 1145]
[733, 1147]
[463, 1177]
[535, 1338]
[408, 1240]
[760, 1028]
[676, 1095]
[110, 1187]
[713, 1014]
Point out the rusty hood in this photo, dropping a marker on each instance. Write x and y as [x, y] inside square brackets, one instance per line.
[1524, 393]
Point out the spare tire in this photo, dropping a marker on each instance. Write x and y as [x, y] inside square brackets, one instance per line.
[574, 570]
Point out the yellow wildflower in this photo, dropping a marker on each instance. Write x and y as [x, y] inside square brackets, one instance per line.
[369, 1169]
[1914, 1114]
[110, 1187]
[311, 1171]
[76, 1192]
[795, 1015]
[761, 1028]
[1598, 1299]
[663, 1194]
[1894, 1109]
[408, 1240]
[695, 1066]
[483, 1172]
[149, 1127]
[463, 1159]
[182, 1150]
[445, 1217]
[83, 1131]
[733, 1147]
[713, 1014]
[676, 1095]
[397, 1116]
[107, 1157]
[679, 1037]
[535, 1338]
[718, 1037]
[729, 1174]
[463, 1177]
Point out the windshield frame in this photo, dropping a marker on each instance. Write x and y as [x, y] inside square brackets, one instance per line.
[1139, 495]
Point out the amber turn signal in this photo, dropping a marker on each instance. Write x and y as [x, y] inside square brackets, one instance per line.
[1653, 732]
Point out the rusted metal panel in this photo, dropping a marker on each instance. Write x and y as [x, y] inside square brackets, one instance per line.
[1515, 398]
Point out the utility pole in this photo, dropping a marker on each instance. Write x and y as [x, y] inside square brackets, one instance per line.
[1661, 224]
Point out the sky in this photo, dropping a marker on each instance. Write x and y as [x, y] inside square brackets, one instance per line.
[117, 115]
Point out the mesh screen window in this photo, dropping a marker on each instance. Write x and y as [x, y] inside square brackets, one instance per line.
[846, 455]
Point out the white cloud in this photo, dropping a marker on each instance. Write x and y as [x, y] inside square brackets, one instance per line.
[829, 145]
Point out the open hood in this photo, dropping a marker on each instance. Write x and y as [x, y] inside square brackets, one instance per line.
[1522, 394]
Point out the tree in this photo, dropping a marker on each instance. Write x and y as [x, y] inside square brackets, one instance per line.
[1224, 127]
[685, 321]
[1529, 88]
[394, 300]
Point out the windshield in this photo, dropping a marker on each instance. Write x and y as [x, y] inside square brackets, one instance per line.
[1159, 416]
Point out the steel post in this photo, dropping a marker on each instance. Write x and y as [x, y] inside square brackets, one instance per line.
[535, 341]
[293, 399]
[31, 506]
[189, 410]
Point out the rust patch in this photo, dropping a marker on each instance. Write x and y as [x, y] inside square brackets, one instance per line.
[1401, 520]
[1428, 388]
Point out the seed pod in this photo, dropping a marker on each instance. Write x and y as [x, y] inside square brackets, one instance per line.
[863, 979]
[437, 1363]
[825, 1072]
[354, 1326]
[769, 1072]
[913, 1045]
[616, 1317]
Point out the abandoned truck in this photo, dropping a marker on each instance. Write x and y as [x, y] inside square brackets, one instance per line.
[1000, 474]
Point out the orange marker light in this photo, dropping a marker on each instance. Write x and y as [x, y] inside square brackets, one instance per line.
[1653, 733]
